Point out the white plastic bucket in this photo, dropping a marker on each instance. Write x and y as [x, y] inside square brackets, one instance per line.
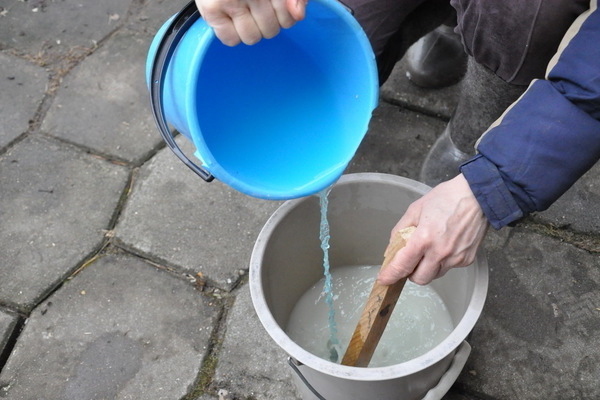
[287, 261]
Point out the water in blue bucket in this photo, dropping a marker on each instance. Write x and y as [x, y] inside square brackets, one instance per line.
[280, 119]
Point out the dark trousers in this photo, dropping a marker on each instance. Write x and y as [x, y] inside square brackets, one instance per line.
[515, 39]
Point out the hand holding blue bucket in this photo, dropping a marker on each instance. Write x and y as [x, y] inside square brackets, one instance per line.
[280, 119]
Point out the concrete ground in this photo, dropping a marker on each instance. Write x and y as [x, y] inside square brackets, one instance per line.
[124, 276]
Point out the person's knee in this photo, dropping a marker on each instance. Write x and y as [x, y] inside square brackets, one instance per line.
[392, 25]
[515, 39]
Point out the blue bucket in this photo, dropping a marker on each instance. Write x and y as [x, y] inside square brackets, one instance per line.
[280, 119]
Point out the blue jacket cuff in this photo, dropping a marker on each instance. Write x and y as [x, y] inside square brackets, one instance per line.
[491, 192]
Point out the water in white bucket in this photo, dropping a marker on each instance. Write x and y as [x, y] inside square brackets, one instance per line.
[419, 322]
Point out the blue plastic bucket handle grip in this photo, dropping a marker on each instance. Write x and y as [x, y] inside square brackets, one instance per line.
[173, 34]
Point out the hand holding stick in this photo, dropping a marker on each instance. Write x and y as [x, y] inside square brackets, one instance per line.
[378, 309]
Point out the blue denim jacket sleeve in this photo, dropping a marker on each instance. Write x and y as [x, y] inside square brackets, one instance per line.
[547, 139]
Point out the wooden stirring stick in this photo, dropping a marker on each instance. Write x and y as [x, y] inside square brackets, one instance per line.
[378, 309]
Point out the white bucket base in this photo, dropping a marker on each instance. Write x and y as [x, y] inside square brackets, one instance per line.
[307, 392]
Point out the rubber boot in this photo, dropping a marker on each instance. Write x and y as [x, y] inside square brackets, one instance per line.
[483, 99]
[437, 59]
[442, 160]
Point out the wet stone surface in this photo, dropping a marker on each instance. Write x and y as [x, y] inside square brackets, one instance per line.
[53, 215]
[22, 88]
[121, 329]
[579, 208]
[399, 90]
[538, 333]
[103, 103]
[41, 27]
[7, 324]
[151, 15]
[396, 141]
[265, 374]
[201, 227]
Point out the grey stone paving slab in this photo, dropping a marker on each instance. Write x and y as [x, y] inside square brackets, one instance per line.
[153, 14]
[264, 373]
[7, 324]
[22, 88]
[454, 394]
[121, 329]
[397, 142]
[538, 336]
[579, 207]
[103, 103]
[56, 201]
[38, 26]
[398, 88]
[207, 397]
[174, 215]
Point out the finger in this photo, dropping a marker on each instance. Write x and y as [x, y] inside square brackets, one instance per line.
[296, 9]
[265, 18]
[287, 12]
[410, 218]
[402, 265]
[246, 27]
[426, 271]
[220, 22]
[226, 32]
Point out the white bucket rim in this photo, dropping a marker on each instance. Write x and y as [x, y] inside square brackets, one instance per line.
[442, 350]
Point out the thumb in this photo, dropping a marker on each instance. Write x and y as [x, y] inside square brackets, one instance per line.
[297, 8]
[402, 265]
[410, 218]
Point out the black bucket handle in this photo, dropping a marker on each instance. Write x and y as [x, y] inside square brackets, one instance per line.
[173, 34]
[295, 364]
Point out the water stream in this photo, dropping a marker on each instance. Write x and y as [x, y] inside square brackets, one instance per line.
[333, 344]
